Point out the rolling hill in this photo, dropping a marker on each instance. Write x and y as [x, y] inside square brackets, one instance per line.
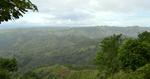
[43, 46]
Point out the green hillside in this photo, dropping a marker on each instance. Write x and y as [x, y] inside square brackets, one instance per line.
[35, 47]
[62, 72]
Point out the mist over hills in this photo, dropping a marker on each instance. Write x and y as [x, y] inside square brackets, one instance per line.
[42, 46]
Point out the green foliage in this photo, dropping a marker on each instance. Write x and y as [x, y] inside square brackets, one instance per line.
[13, 9]
[126, 75]
[133, 54]
[8, 64]
[7, 67]
[62, 72]
[106, 59]
[145, 70]
[145, 36]
[140, 73]
[4, 74]
[30, 75]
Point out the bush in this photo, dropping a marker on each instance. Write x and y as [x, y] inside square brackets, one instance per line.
[145, 70]
[133, 54]
[126, 75]
[4, 74]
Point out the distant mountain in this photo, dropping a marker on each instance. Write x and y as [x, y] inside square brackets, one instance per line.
[40, 46]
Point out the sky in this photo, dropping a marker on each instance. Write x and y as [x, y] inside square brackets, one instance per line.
[86, 13]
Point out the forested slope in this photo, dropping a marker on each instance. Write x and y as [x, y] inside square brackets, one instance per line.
[57, 45]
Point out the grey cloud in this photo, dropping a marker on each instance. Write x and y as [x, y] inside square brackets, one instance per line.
[90, 12]
[98, 5]
[74, 16]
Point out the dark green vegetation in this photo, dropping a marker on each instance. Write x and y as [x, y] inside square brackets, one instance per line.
[123, 58]
[13, 9]
[38, 50]
[7, 67]
[106, 59]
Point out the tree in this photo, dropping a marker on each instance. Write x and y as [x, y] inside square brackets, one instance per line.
[134, 54]
[4, 74]
[106, 58]
[144, 37]
[145, 70]
[7, 66]
[13, 9]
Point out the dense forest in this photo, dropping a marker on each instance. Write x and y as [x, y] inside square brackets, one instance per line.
[75, 53]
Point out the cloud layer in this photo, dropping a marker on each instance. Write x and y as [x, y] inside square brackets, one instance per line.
[88, 12]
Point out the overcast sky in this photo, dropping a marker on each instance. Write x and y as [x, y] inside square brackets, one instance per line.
[86, 12]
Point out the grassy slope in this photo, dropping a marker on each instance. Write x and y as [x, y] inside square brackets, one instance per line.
[62, 72]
